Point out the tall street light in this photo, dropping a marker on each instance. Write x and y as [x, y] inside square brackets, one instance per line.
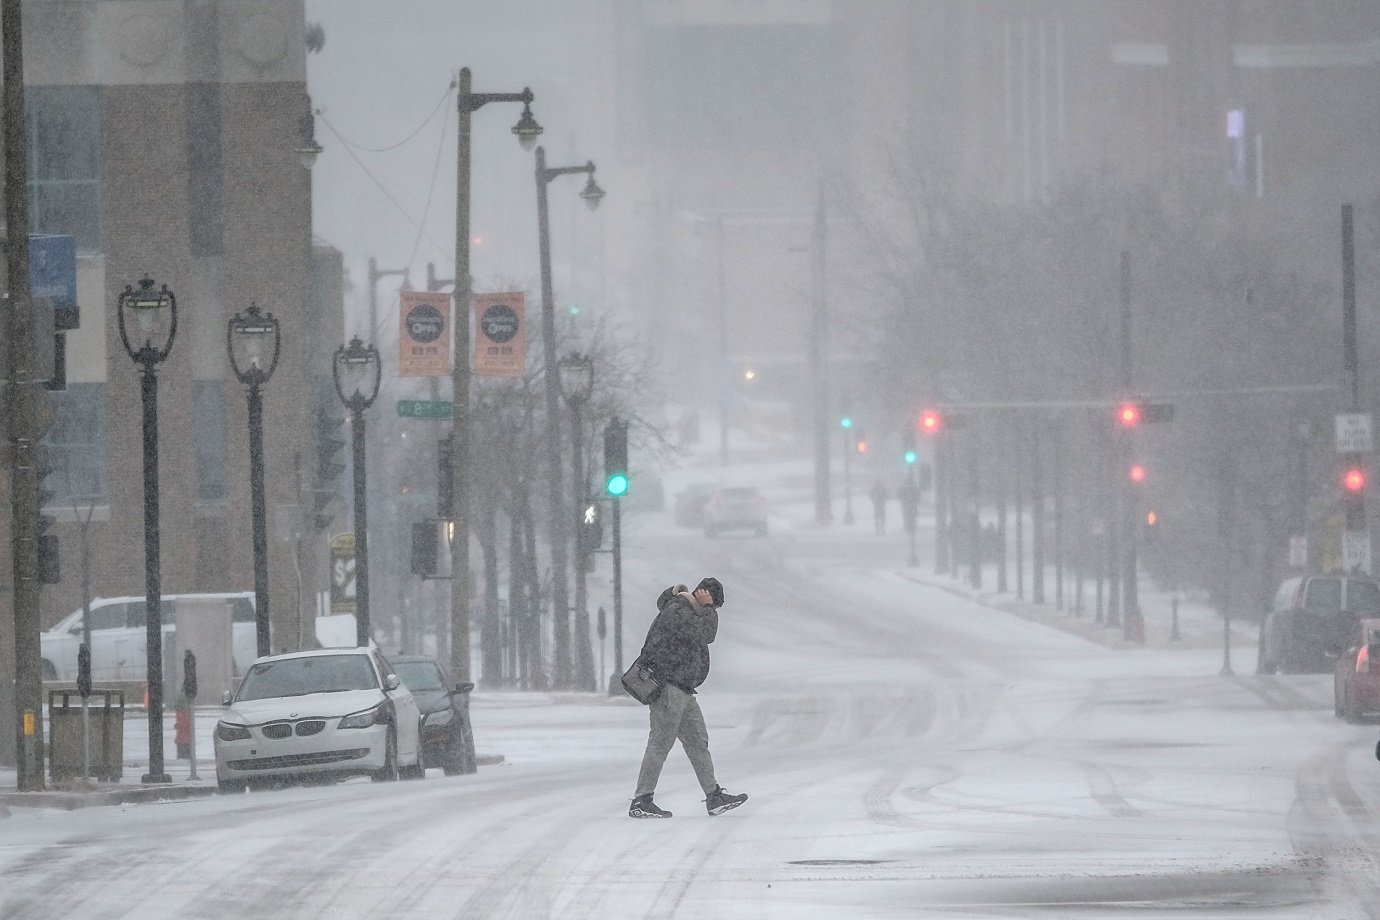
[148, 323]
[577, 383]
[592, 194]
[357, 374]
[252, 340]
[526, 130]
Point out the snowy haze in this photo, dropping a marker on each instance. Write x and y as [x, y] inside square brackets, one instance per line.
[911, 748]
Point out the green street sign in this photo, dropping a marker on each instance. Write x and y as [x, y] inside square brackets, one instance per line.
[425, 408]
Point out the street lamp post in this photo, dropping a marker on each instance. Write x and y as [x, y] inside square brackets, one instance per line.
[151, 315]
[357, 374]
[526, 130]
[559, 535]
[252, 340]
[577, 383]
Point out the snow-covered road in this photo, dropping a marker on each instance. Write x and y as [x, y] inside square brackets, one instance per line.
[909, 752]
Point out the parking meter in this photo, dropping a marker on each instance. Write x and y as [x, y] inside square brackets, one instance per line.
[84, 671]
[189, 675]
[601, 629]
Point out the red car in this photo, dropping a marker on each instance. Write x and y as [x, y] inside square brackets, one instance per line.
[1356, 680]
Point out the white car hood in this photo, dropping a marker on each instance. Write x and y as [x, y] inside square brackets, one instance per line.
[320, 705]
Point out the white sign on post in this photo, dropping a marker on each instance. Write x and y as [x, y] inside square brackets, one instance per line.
[1298, 551]
[1353, 433]
[1356, 551]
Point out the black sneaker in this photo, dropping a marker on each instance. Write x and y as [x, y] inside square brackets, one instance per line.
[644, 807]
[718, 801]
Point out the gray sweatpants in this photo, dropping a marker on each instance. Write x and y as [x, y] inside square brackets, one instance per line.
[676, 714]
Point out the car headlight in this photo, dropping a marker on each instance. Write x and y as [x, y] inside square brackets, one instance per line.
[227, 731]
[439, 718]
[364, 719]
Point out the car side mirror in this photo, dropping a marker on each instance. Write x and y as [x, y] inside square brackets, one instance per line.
[464, 687]
[391, 683]
[226, 698]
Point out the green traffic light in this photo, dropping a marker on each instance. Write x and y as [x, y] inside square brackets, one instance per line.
[616, 485]
[845, 422]
[910, 456]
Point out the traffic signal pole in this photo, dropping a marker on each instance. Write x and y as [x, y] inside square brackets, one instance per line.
[1356, 540]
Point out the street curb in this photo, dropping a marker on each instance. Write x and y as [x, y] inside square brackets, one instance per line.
[70, 800]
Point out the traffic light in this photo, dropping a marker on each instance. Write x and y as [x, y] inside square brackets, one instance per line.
[591, 535]
[908, 453]
[1354, 480]
[49, 567]
[934, 422]
[1136, 473]
[846, 422]
[445, 479]
[328, 468]
[859, 440]
[425, 548]
[1133, 413]
[616, 458]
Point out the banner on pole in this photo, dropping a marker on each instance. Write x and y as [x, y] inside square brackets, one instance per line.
[500, 339]
[424, 334]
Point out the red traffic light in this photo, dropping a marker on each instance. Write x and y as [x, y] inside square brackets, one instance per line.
[1137, 473]
[1128, 414]
[931, 421]
[1354, 479]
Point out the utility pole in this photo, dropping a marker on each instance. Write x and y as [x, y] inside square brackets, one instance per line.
[1132, 624]
[22, 397]
[819, 368]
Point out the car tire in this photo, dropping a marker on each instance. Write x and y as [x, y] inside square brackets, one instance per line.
[389, 771]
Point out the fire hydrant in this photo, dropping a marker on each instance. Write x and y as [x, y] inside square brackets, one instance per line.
[182, 729]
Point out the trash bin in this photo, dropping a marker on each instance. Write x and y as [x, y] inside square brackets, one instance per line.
[106, 741]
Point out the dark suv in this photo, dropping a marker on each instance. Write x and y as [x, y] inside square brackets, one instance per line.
[1311, 619]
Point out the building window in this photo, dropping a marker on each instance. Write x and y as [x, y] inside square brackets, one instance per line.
[65, 162]
[209, 421]
[77, 447]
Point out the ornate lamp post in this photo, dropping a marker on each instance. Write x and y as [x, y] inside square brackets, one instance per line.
[148, 323]
[526, 130]
[592, 194]
[357, 374]
[576, 375]
[252, 340]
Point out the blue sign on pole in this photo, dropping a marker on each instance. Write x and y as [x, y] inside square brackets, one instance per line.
[53, 276]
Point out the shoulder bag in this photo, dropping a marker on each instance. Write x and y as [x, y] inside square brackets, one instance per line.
[640, 682]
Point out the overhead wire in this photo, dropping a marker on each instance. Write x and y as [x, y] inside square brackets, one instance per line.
[350, 147]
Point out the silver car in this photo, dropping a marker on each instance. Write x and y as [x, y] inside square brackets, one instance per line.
[327, 713]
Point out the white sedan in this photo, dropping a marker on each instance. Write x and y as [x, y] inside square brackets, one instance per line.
[323, 713]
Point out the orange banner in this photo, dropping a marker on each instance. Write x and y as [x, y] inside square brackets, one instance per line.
[424, 334]
[500, 335]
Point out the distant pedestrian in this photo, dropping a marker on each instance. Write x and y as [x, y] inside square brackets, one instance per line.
[878, 494]
[677, 651]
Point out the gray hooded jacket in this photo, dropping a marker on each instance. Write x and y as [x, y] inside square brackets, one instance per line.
[677, 645]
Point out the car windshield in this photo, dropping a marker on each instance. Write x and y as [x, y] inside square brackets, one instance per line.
[418, 676]
[300, 676]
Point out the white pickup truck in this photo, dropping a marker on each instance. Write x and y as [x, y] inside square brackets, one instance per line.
[119, 633]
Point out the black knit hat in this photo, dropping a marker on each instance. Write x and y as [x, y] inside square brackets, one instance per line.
[716, 590]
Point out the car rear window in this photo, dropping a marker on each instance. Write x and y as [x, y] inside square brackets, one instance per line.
[1323, 594]
[1363, 595]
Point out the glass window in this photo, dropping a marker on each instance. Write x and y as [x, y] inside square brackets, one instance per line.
[64, 125]
[76, 446]
[420, 675]
[1323, 594]
[1363, 595]
[209, 422]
